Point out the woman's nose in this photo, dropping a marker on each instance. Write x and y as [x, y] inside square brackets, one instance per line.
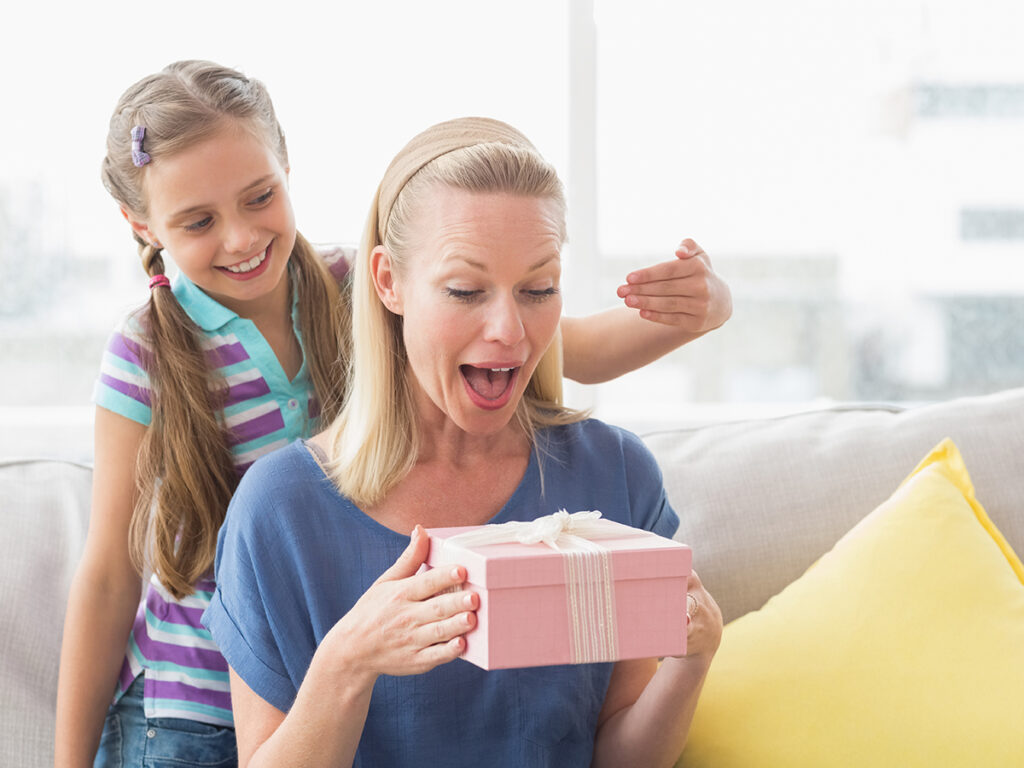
[504, 322]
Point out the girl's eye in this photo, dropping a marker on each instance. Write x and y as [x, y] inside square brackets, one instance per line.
[462, 295]
[541, 294]
[196, 226]
[262, 199]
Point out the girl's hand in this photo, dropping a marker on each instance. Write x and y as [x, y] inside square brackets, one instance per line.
[685, 292]
[703, 621]
[406, 623]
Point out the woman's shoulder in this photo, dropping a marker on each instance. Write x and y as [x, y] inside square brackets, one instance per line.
[281, 469]
[593, 435]
[284, 478]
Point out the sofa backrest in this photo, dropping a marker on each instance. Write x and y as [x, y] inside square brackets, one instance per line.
[44, 512]
[761, 500]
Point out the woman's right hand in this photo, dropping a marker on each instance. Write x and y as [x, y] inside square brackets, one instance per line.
[407, 622]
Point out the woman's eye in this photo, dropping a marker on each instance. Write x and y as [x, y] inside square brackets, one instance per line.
[461, 294]
[541, 294]
[262, 199]
[196, 226]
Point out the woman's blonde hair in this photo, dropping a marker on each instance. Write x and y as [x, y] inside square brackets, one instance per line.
[374, 441]
[186, 474]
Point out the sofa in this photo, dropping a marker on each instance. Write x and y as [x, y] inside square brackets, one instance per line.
[773, 509]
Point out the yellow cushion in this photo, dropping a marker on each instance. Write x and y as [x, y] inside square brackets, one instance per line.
[902, 646]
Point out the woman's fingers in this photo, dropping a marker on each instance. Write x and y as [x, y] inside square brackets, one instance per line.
[409, 562]
[704, 619]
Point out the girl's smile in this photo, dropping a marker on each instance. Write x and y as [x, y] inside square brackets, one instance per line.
[222, 211]
[248, 269]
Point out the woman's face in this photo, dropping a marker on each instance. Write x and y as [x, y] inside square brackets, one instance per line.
[479, 294]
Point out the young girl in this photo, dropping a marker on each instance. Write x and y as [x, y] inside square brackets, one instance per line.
[244, 353]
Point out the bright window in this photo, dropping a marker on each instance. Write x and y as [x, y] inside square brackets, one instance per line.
[853, 169]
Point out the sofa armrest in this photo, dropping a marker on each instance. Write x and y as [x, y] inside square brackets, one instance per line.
[44, 510]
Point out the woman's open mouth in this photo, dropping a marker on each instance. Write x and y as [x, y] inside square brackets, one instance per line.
[489, 388]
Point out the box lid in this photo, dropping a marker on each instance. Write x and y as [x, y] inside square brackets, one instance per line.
[634, 553]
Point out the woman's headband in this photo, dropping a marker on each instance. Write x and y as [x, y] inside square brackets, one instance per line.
[434, 142]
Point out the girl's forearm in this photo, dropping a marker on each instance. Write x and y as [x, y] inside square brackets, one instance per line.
[603, 346]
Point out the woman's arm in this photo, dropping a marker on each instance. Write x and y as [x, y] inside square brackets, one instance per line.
[103, 599]
[648, 708]
[667, 305]
[406, 623]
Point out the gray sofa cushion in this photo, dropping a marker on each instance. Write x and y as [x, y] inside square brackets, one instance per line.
[761, 500]
[44, 506]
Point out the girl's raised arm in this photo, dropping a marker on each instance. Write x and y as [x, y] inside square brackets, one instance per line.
[667, 305]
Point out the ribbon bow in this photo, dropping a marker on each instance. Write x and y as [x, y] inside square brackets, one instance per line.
[559, 531]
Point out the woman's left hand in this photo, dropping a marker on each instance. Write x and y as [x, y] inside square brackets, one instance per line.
[703, 621]
[684, 292]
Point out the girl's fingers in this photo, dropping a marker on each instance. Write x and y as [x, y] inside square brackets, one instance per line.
[667, 270]
[670, 305]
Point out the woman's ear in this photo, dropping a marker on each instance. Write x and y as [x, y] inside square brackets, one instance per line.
[382, 271]
[140, 227]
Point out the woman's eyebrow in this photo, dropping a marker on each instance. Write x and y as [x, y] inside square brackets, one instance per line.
[483, 267]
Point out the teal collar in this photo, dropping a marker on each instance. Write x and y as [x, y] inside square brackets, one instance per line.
[208, 313]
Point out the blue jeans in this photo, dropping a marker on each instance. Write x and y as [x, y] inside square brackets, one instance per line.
[131, 740]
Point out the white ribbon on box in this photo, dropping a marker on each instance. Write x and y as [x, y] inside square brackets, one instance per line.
[589, 584]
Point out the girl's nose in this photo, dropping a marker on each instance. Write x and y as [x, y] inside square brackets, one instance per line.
[239, 236]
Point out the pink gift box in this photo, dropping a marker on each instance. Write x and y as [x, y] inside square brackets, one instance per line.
[533, 612]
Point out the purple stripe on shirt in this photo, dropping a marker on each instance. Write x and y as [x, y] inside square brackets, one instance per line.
[247, 390]
[134, 391]
[258, 427]
[184, 656]
[125, 348]
[173, 613]
[226, 354]
[169, 689]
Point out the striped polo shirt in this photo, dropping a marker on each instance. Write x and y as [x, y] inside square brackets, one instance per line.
[185, 675]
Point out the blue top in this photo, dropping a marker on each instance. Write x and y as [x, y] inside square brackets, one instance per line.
[294, 556]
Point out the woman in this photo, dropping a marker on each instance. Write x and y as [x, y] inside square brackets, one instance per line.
[341, 653]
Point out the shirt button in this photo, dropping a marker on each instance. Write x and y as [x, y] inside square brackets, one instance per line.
[150, 734]
[293, 403]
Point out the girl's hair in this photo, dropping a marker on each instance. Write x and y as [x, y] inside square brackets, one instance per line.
[186, 474]
[374, 441]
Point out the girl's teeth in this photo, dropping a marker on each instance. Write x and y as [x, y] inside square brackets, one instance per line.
[251, 264]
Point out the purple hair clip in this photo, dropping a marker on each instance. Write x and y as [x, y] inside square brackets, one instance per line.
[139, 158]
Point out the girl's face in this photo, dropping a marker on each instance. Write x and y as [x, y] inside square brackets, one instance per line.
[221, 210]
[480, 299]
